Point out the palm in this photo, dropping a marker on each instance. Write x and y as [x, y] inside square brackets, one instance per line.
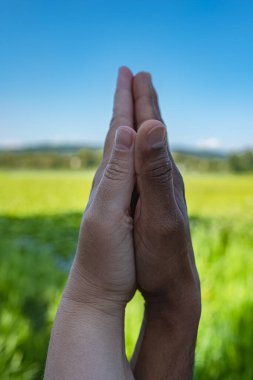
[156, 246]
[106, 254]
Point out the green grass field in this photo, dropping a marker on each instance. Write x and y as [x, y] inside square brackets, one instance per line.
[40, 214]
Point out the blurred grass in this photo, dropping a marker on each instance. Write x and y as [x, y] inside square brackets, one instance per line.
[40, 214]
[212, 195]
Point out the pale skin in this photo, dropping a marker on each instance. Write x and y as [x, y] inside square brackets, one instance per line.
[134, 234]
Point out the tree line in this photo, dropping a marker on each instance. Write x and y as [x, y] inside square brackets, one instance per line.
[90, 158]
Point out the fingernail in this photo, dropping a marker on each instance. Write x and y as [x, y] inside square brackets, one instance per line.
[156, 137]
[124, 138]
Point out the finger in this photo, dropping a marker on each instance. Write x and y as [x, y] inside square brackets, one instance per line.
[154, 171]
[122, 115]
[115, 189]
[145, 99]
[145, 104]
[146, 107]
[122, 108]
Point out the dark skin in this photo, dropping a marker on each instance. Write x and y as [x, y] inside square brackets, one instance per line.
[165, 265]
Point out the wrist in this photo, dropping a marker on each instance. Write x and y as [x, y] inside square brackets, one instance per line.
[181, 326]
[88, 294]
[90, 315]
[180, 321]
[91, 338]
[175, 334]
[181, 304]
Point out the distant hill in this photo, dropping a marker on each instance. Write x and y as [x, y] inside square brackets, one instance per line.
[199, 152]
[74, 148]
[50, 148]
[81, 156]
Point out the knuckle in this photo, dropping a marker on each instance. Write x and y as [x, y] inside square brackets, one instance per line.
[94, 226]
[159, 169]
[173, 226]
[98, 226]
[117, 169]
[90, 223]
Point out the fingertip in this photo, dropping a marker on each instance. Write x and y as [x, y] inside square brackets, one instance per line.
[125, 71]
[148, 125]
[151, 138]
[142, 75]
[156, 137]
[142, 78]
[125, 77]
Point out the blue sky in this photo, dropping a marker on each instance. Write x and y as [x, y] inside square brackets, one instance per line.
[59, 60]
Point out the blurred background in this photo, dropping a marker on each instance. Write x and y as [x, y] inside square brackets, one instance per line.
[58, 67]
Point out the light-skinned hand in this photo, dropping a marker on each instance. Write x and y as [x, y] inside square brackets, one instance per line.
[87, 339]
[104, 269]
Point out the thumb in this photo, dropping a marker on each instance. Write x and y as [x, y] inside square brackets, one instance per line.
[115, 190]
[154, 169]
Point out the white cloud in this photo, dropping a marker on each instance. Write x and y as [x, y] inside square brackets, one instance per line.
[210, 143]
[10, 144]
